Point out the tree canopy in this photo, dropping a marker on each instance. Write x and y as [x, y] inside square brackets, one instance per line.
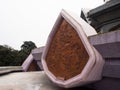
[12, 57]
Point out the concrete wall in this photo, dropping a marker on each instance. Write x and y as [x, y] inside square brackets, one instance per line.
[108, 45]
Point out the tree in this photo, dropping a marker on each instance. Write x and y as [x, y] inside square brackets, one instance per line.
[26, 49]
[28, 46]
[12, 57]
[7, 56]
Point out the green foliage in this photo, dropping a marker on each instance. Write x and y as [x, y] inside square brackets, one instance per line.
[12, 57]
[28, 45]
[26, 48]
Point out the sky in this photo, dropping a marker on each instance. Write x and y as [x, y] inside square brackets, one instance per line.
[32, 20]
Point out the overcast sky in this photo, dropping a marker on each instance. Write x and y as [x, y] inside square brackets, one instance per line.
[32, 20]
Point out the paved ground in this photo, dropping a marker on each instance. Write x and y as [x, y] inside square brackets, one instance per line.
[30, 81]
[26, 81]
